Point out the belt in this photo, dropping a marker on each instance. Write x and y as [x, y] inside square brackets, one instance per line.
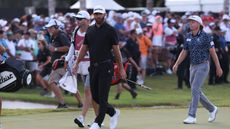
[95, 64]
[206, 61]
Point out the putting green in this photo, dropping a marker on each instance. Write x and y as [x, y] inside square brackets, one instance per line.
[134, 118]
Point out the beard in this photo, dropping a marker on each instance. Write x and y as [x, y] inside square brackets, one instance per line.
[99, 20]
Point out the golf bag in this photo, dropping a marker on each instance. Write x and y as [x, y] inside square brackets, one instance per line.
[14, 75]
[117, 79]
[116, 75]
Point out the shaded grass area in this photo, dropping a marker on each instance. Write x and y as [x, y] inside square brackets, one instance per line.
[16, 112]
[164, 93]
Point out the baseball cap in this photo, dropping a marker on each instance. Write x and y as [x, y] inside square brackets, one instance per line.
[16, 20]
[171, 21]
[83, 14]
[52, 22]
[196, 18]
[226, 17]
[99, 9]
[139, 31]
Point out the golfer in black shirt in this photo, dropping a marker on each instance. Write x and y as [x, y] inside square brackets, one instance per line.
[100, 40]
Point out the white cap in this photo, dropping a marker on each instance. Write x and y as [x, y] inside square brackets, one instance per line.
[16, 20]
[62, 19]
[139, 31]
[196, 18]
[24, 23]
[53, 22]
[172, 20]
[2, 22]
[47, 19]
[83, 14]
[99, 9]
[226, 17]
[212, 24]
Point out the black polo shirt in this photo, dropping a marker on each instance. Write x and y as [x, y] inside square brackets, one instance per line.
[125, 54]
[99, 41]
[59, 41]
[133, 48]
[43, 56]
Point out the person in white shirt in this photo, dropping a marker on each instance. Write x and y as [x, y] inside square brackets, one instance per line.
[26, 45]
[136, 22]
[83, 21]
[170, 42]
[11, 44]
[225, 27]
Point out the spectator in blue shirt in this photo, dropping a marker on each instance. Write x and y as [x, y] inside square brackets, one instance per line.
[3, 45]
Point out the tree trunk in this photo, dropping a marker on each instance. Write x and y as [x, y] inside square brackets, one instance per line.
[51, 7]
[82, 4]
[226, 6]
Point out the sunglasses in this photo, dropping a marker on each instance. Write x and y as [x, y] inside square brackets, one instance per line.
[79, 19]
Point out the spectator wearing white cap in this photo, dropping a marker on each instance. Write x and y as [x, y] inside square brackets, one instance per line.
[225, 27]
[127, 24]
[59, 46]
[111, 18]
[83, 21]
[170, 33]
[144, 46]
[15, 25]
[136, 22]
[144, 19]
[200, 46]
[170, 39]
[100, 39]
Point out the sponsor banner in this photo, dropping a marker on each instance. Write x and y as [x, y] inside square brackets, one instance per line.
[6, 78]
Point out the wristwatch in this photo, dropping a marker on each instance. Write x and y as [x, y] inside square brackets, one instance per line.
[55, 49]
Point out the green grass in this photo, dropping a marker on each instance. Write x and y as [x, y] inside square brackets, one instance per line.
[163, 93]
[130, 118]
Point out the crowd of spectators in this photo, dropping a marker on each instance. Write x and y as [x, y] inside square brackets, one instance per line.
[158, 39]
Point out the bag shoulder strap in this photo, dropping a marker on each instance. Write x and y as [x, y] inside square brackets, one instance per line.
[74, 35]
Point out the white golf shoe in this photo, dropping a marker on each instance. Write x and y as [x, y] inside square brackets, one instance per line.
[189, 120]
[79, 121]
[114, 119]
[94, 126]
[212, 115]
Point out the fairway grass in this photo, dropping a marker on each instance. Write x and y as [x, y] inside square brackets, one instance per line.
[164, 93]
[132, 118]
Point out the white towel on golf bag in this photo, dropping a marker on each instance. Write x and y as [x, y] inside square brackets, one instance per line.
[69, 82]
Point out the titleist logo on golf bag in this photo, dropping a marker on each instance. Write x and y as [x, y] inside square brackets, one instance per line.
[6, 78]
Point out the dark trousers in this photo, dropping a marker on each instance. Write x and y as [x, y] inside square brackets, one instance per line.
[224, 62]
[183, 74]
[100, 79]
[212, 74]
[133, 76]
